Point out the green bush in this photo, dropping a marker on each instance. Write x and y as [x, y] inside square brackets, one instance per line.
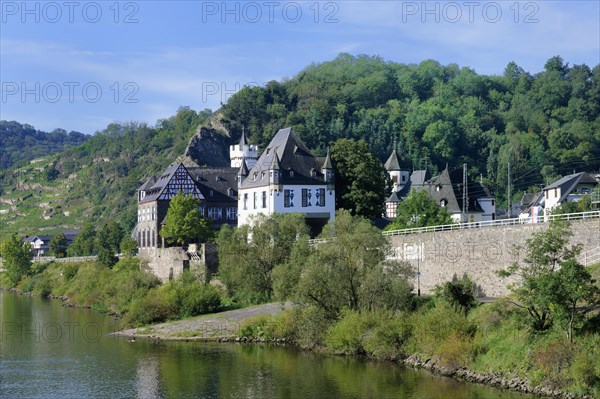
[155, 307]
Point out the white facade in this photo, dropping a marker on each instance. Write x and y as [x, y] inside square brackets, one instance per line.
[399, 179]
[313, 201]
[241, 152]
[488, 205]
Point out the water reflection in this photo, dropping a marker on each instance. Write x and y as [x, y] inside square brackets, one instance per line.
[76, 364]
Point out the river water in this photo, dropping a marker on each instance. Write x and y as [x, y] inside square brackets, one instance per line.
[50, 351]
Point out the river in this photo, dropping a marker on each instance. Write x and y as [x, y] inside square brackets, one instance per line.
[50, 351]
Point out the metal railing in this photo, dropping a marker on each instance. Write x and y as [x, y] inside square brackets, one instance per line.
[590, 257]
[493, 223]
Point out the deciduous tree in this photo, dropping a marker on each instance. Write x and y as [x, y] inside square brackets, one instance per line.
[418, 209]
[184, 224]
[360, 179]
[16, 257]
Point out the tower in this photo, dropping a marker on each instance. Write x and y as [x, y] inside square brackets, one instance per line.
[327, 170]
[241, 151]
[399, 177]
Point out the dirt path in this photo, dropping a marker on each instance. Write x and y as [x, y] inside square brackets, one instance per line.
[213, 327]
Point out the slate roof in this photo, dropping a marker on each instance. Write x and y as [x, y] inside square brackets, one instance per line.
[148, 184]
[392, 163]
[292, 155]
[394, 197]
[417, 180]
[43, 237]
[219, 180]
[451, 189]
[568, 183]
[157, 188]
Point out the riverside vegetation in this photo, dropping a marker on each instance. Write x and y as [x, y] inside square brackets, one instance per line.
[350, 300]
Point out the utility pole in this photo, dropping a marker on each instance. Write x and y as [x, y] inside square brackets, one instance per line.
[465, 198]
[508, 200]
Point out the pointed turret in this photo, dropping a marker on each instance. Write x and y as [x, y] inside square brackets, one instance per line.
[392, 164]
[243, 138]
[398, 176]
[243, 172]
[327, 170]
[275, 172]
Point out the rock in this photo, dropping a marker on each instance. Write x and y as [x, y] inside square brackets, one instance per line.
[209, 147]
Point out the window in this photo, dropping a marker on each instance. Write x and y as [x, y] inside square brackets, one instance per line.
[321, 197]
[306, 197]
[153, 239]
[245, 201]
[288, 198]
[201, 210]
[264, 199]
[255, 196]
[153, 213]
[215, 213]
[403, 178]
[232, 213]
[291, 173]
[443, 202]
[438, 187]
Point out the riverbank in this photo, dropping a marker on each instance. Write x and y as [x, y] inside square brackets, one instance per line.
[222, 327]
[256, 325]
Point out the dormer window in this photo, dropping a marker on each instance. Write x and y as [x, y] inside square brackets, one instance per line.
[443, 202]
[291, 173]
[313, 173]
[211, 193]
[438, 187]
[262, 175]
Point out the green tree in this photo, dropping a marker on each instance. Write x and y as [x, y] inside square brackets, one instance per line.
[571, 287]
[16, 257]
[58, 245]
[348, 270]
[545, 251]
[361, 180]
[129, 246]
[110, 237]
[418, 209]
[106, 257]
[248, 255]
[85, 242]
[183, 223]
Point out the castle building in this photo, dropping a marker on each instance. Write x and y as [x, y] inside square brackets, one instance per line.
[216, 188]
[287, 178]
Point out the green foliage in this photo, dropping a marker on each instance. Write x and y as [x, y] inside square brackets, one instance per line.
[182, 297]
[16, 258]
[572, 286]
[277, 247]
[458, 292]
[349, 270]
[107, 258]
[540, 287]
[360, 179]
[418, 209]
[184, 224]
[129, 246]
[58, 245]
[84, 243]
[23, 142]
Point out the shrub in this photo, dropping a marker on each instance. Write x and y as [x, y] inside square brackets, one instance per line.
[458, 292]
[155, 307]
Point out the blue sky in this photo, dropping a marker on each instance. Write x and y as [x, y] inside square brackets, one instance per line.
[81, 65]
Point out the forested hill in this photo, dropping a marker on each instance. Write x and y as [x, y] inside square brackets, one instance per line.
[545, 124]
[96, 181]
[21, 143]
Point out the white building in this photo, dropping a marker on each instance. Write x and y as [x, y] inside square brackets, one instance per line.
[287, 178]
[570, 188]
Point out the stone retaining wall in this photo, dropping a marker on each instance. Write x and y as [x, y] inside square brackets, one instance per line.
[479, 253]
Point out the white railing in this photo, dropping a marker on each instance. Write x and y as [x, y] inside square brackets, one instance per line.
[590, 257]
[492, 223]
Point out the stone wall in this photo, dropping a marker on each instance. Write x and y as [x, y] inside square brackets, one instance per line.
[479, 253]
[168, 263]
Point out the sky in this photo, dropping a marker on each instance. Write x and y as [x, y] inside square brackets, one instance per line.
[81, 65]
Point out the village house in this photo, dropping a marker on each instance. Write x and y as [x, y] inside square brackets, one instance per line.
[40, 244]
[446, 189]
